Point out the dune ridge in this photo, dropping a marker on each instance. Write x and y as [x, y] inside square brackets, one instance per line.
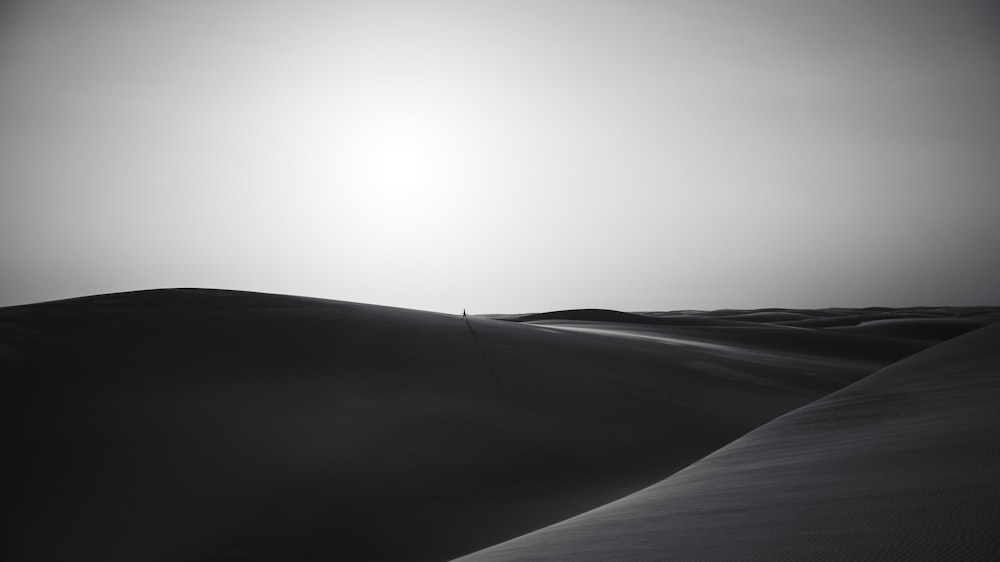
[902, 464]
[204, 424]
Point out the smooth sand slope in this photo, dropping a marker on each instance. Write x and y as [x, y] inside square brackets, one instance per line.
[192, 424]
[903, 465]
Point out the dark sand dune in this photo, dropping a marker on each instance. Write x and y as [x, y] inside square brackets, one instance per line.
[196, 424]
[921, 329]
[600, 315]
[903, 465]
[784, 356]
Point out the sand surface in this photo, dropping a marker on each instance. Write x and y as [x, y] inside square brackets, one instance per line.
[902, 465]
[194, 424]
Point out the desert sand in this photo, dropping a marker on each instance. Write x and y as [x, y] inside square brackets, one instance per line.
[902, 465]
[198, 424]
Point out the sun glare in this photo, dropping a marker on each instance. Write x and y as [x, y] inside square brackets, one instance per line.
[407, 164]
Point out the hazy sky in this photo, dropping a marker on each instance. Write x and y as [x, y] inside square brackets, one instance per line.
[504, 156]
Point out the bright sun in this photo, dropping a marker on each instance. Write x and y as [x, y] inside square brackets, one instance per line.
[408, 164]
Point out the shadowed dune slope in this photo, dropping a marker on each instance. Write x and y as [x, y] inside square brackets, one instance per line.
[902, 465]
[193, 424]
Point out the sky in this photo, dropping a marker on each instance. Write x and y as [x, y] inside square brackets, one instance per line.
[504, 156]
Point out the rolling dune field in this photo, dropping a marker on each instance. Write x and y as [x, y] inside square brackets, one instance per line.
[203, 425]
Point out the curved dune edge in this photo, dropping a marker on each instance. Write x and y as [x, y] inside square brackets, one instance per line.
[901, 465]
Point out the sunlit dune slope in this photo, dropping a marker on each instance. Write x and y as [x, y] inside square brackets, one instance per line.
[192, 424]
[902, 465]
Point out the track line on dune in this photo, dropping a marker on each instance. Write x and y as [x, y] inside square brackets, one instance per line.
[482, 351]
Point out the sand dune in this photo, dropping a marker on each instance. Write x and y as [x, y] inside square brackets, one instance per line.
[194, 424]
[902, 465]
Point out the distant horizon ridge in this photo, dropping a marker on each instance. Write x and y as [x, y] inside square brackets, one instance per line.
[571, 310]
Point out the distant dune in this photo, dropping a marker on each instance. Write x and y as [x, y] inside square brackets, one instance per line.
[196, 424]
